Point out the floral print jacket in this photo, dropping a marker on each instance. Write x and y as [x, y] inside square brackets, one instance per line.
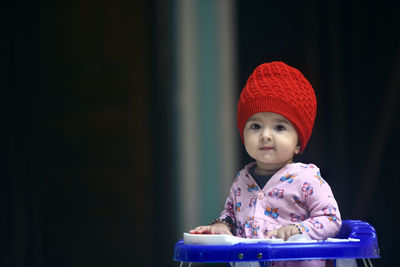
[296, 194]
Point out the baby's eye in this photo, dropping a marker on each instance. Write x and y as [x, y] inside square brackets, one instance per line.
[280, 127]
[255, 126]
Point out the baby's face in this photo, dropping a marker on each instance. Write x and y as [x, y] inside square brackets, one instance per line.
[271, 140]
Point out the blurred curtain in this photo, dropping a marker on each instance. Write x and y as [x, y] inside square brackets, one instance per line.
[204, 105]
[20, 208]
[76, 183]
[350, 52]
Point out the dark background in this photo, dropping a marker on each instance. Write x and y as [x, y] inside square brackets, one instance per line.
[85, 99]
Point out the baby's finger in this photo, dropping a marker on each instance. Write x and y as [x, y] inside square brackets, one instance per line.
[219, 231]
[281, 235]
[200, 230]
[271, 234]
[196, 230]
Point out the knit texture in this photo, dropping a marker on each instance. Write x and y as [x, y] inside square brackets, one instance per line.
[279, 88]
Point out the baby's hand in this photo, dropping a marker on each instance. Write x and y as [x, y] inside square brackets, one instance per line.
[284, 232]
[216, 229]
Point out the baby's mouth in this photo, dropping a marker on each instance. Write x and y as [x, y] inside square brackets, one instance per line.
[266, 148]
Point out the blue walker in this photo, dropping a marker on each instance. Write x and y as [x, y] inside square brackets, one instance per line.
[363, 245]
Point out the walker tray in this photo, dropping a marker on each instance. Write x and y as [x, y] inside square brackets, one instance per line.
[355, 240]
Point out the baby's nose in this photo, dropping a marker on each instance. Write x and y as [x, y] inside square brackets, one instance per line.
[266, 135]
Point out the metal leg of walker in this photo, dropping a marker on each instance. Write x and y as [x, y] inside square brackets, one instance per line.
[367, 262]
[182, 264]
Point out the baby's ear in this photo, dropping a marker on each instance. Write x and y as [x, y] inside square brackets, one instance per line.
[297, 150]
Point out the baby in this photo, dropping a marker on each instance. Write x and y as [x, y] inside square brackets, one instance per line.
[274, 196]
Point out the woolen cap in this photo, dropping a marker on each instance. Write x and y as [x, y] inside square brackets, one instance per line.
[279, 88]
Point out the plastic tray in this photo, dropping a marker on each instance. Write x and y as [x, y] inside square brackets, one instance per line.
[366, 247]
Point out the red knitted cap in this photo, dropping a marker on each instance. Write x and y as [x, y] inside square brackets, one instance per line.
[279, 88]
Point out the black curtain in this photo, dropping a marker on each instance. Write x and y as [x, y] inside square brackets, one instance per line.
[21, 223]
[350, 52]
[83, 182]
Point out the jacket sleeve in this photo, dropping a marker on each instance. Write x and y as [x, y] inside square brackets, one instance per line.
[228, 213]
[323, 218]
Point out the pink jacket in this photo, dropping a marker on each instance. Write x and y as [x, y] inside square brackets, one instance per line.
[296, 194]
